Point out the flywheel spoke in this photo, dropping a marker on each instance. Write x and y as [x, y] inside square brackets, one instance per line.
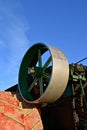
[47, 63]
[39, 58]
[46, 75]
[41, 85]
[32, 84]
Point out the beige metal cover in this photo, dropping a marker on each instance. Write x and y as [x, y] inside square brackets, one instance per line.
[59, 77]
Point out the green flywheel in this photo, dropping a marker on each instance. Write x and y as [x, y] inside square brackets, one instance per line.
[37, 76]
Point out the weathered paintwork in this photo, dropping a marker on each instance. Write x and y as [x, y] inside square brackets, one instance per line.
[18, 115]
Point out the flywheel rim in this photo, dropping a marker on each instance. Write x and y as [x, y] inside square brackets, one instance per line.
[36, 52]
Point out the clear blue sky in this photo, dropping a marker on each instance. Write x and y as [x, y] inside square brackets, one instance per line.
[59, 23]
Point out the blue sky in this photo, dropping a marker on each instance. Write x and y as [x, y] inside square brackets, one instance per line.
[59, 23]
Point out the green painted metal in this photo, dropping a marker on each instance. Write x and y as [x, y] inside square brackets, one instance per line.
[33, 74]
[78, 76]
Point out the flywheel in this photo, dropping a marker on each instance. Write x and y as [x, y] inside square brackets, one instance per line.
[43, 74]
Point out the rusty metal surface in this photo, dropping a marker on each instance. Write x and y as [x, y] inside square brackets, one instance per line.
[58, 116]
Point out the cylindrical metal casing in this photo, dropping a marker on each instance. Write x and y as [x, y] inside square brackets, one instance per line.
[59, 76]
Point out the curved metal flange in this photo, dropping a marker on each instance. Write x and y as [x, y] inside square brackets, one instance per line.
[43, 79]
